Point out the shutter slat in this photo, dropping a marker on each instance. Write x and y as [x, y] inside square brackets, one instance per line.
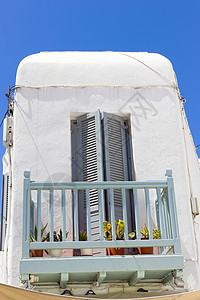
[115, 157]
[91, 166]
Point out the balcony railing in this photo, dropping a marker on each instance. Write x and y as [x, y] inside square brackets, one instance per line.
[165, 264]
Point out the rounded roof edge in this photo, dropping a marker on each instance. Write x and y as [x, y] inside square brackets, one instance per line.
[131, 69]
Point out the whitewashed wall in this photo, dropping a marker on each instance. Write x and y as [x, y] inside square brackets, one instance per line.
[192, 269]
[42, 144]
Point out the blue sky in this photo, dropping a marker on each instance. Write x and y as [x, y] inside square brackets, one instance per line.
[171, 28]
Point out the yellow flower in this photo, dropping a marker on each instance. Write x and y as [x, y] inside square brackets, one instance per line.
[109, 226]
[121, 222]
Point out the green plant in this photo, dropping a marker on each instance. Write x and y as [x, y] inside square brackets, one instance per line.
[34, 237]
[145, 232]
[57, 236]
[119, 227]
[82, 236]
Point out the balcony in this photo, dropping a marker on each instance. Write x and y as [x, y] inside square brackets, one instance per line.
[161, 267]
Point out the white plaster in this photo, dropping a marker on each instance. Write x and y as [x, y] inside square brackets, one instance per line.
[42, 137]
[94, 69]
[193, 173]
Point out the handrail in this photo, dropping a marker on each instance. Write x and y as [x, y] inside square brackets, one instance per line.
[96, 185]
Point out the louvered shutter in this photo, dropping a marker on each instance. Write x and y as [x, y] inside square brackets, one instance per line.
[90, 166]
[4, 210]
[116, 165]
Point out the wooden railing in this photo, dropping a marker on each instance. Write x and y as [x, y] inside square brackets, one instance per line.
[165, 214]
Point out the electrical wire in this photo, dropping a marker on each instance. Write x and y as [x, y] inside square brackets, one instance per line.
[152, 69]
[10, 100]
[3, 118]
[95, 86]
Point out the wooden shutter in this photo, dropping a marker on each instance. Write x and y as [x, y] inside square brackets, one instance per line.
[116, 166]
[4, 209]
[89, 166]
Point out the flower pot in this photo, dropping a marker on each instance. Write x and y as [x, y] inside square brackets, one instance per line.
[37, 253]
[55, 252]
[145, 250]
[86, 252]
[116, 251]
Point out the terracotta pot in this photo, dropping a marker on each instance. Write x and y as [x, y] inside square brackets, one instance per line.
[145, 250]
[116, 251]
[37, 253]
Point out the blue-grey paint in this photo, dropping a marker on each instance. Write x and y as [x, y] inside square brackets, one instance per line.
[122, 264]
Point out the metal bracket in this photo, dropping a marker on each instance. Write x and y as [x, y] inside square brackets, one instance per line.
[101, 277]
[172, 275]
[64, 278]
[136, 277]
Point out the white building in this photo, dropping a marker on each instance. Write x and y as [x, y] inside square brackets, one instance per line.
[99, 116]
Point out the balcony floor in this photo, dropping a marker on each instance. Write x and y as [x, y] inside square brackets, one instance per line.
[127, 268]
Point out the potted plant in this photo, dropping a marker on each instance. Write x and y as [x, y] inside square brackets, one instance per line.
[57, 237]
[37, 253]
[119, 228]
[145, 235]
[83, 237]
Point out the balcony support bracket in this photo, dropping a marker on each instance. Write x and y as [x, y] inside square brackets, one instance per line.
[25, 277]
[168, 278]
[172, 275]
[64, 278]
[177, 273]
[101, 277]
[136, 277]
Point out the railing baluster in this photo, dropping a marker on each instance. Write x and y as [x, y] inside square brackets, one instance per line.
[76, 235]
[157, 212]
[170, 199]
[32, 204]
[88, 215]
[63, 216]
[173, 212]
[160, 213]
[51, 214]
[39, 215]
[137, 221]
[148, 209]
[125, 214]
[166, 217]
[112, 212]
[100, 214]
[26, 216]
